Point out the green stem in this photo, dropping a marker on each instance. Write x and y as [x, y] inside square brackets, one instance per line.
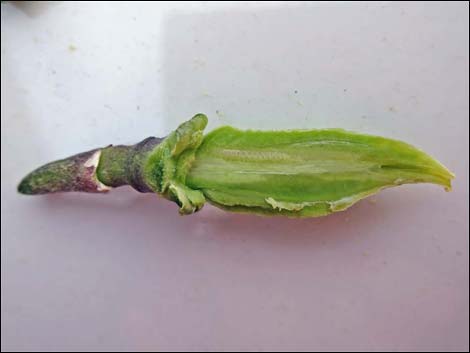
[123, 165]
[97, 170]
[75, 173]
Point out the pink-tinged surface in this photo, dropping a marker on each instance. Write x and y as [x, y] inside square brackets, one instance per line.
[124, 271]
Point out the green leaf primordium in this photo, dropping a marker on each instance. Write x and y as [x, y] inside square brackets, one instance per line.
[296, 173]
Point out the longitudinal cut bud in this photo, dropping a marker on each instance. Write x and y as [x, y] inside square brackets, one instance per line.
[302, 173]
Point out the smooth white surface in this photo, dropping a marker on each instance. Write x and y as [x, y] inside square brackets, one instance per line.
[124, 271]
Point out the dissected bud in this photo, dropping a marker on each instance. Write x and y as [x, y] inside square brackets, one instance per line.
[297, 173]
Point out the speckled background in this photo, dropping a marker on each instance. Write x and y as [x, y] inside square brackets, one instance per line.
[125, 271]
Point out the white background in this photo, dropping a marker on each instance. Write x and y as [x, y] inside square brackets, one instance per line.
[125, 271]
